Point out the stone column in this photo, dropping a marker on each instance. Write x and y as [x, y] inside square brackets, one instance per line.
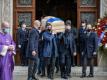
[6, 12]
[103, 7]
[102, 60]
[102, 57]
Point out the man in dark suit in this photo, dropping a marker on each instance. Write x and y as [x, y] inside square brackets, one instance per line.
[89, 52]
[67, 50]
[22, 42]
[32, 51]
[74, 31]
[81, 37]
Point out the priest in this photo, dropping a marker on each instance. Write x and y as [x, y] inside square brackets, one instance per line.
[7, 51]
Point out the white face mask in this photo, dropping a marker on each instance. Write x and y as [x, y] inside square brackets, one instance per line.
[6, 30]
[83, 24]
[68, 27]
[23, 26]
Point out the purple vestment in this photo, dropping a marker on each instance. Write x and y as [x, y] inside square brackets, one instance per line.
[6, 62]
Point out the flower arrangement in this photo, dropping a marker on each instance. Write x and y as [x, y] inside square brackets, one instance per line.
[101, 29]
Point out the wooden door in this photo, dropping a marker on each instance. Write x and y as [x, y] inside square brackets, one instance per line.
[24, 10]
[87, 10]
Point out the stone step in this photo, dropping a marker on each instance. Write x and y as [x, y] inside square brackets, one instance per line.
[76, 71]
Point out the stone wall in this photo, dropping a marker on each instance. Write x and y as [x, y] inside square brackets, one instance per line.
[103, 7]
[6, 12]
[102, 57]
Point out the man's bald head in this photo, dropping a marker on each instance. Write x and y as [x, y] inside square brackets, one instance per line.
[5, 24]
[36, 23]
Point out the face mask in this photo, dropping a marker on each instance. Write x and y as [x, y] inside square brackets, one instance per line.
[67, 30]
[23, 26]
[83, 24]
[6, 30]
[68, 27]
[88, 30]
[49, 30]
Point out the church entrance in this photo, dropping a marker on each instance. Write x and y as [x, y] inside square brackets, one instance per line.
[64, 9]
[75, 10]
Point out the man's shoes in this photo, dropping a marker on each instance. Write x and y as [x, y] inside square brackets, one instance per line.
[50, 76]
[38, 73]
[64, 77]
[43, 75]
[69, 75]
[57, 70]
[29, 78]
[83, 76]
[34, 78]
[90, 75]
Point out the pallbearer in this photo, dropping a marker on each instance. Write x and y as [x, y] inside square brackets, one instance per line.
[67, 50]
[49, 50]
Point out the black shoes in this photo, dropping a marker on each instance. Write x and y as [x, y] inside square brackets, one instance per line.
[90, 75]
[50, 77]
[34, 78]
[43, 75]
[83, 76]
[64, 76]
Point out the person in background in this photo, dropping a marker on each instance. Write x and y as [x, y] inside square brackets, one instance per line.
[81, 37]
[7, 51]
[22, 36]
[67, 50]
[32, 51]
[89, 52]
[49, 51]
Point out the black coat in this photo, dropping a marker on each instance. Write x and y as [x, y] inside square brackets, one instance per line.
[22, 36]
[91, 44]
[67, 42]
[32, 43]
[82, 35]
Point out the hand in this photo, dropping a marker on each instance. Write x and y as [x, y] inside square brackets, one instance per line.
[34, 53]
[53, 32]
[75, 53]
[19, 46]
[82, 53]
[94, 53]
[11, 47]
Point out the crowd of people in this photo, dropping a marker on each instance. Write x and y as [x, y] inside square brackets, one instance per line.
[47, 50]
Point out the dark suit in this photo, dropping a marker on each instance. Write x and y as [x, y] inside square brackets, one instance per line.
[75, 34]
[32, 46]
[90, 46]
[82, 35]
[23, 40]
[41, 45]
[66, 49]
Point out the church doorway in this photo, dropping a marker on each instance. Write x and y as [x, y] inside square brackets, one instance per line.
[75, 10]
[64, 9]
